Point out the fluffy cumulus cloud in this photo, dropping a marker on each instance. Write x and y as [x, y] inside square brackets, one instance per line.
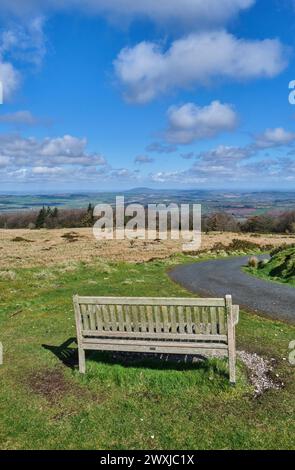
[25, 158]
[58, 160]
[189, 12]
[275, 138]
[237, 164]
[189, 122]
[147, 70]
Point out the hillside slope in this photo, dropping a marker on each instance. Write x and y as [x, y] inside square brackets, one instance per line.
[281, 266]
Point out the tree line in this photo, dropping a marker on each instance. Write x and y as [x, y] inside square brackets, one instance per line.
[50, 218]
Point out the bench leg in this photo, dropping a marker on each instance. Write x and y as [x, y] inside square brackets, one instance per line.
[82, 365]
[232, 367]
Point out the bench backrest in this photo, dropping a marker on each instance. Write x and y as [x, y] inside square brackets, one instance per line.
[178, 318]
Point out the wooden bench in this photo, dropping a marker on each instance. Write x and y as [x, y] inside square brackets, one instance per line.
[159, 325]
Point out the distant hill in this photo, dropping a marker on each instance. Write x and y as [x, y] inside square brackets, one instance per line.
[141, 190]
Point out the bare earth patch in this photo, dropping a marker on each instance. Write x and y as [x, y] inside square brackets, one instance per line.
[58, 246]
[52, 385]
[49, 383]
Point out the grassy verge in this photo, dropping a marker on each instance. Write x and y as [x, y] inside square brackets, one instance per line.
[46, 404]
[280, 268]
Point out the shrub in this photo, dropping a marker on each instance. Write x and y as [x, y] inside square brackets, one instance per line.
[253, 262]
[262, 263]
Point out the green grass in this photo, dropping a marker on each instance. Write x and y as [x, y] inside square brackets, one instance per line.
[148, 404]
[280, 268]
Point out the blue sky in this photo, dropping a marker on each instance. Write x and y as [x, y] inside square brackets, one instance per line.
[113, 94]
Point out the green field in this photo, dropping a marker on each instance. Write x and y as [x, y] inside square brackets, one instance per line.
[119, 404]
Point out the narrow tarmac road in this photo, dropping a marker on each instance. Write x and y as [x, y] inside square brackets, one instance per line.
[225, 276]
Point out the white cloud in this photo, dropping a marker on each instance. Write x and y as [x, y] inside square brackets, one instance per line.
[4, 161]
[146, 70]
[189, 122]
[143, 159]
[224, 154]
[19, 117]
[235, 164]
[159, 147]
[49, 152]
[188, 12]
[24, 42]
[20, 43]
[60, 159]
[63, 146]
[45, 170]
[10, 79]
[275, 138]
[177, 177]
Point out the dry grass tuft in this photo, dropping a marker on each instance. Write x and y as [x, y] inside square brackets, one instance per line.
[7, 275]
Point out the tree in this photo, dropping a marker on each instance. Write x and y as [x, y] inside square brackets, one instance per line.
[54, 213]
[88, 219]
[41, 218]
[221, 222]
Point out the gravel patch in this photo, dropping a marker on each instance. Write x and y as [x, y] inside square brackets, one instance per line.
[260, 372]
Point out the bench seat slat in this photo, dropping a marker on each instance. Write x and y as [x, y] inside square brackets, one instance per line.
[176, 344]
[158, 348]
[134, 334]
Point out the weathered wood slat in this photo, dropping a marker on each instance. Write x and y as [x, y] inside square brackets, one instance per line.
[118, 341]
[196, 319]
[147, 335]
[106, 318]
[120, 317]
[213, 320]
[160, 349]
[221, 320]
[158, 318]
[98, 315]
[143, 318]
[172, 316]
[231, 340]
[85, 317]
[152, 301]
[150, 319]
[180, 319]
[114, 322]
[188, 320]
[135, 320]
[128, 326]
[166, 323]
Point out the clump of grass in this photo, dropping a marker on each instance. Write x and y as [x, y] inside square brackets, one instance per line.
[44, 275]
[105, 268]
[253, 262]
[262, 263]
[7, 275]
[21, 239]
[71, 237]
[68, 267]
[236, 247]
